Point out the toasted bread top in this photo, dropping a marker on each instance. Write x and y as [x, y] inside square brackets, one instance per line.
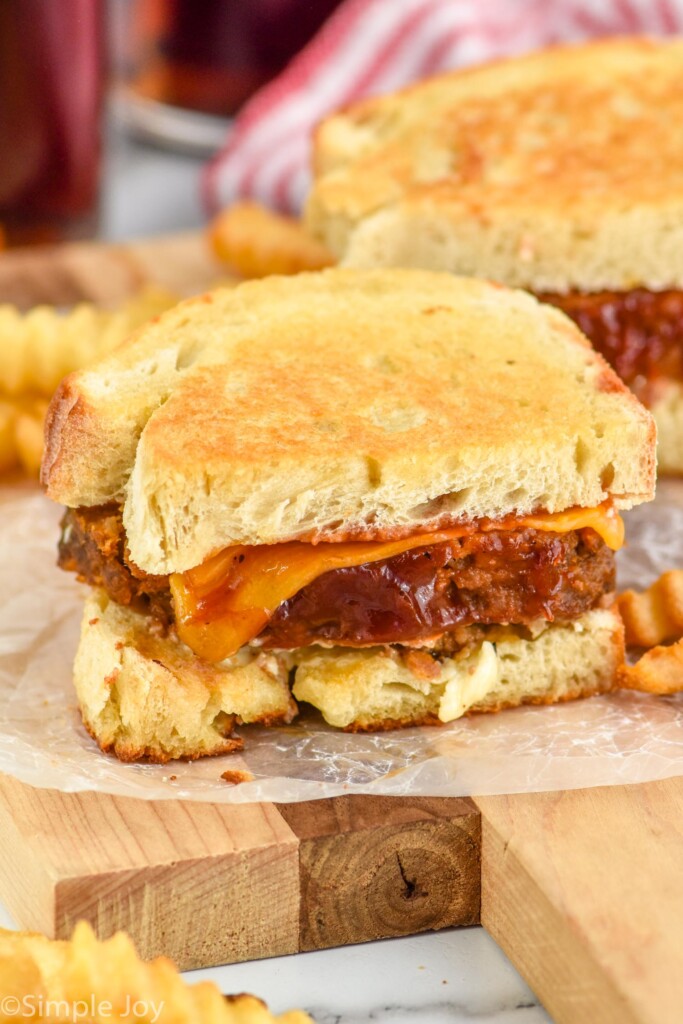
[555, 171]
[326, 402]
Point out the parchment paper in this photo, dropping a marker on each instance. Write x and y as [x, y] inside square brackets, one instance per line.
[622, 738]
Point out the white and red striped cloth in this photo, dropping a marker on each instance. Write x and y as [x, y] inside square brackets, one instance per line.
[376, 46]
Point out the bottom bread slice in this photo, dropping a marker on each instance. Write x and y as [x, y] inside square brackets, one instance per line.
[143, 695]
[146, 696]
[379, 689]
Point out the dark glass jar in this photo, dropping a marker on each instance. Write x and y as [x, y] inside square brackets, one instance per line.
[51, 91]
[212, 55]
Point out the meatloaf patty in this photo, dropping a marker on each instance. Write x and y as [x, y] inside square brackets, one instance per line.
[93, 545]
[507, 576]
[493, 577]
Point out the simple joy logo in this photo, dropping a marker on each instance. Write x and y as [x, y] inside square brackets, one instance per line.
[37, 1008]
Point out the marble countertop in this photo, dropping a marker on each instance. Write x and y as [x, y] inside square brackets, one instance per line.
[453, 976]
[448, 977]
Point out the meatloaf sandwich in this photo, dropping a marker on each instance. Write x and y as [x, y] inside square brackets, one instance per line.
[559, 172]
[389, 494]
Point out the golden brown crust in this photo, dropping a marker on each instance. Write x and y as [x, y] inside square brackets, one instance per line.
[388, 724]
[66, 416]
[327, 401]
[129, 752]
[555, 170]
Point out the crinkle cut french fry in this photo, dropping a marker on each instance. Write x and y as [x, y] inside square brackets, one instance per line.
[109, 978]
[21, 434]
[653, 619]
[656, 615]
[257, 242]
[40, 347]
[659, 671]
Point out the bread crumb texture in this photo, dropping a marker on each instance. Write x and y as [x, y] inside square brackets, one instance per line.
[145, 696]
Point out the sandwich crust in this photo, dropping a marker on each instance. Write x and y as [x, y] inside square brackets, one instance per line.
[324, 403]
[554, 171]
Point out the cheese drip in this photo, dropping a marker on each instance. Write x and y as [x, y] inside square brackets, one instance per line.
[228, 600]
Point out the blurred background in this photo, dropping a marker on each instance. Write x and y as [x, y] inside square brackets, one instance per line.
[110, 109]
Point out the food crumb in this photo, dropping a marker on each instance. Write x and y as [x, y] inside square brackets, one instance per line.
[173, 777]
[235, 776]
[93, 622]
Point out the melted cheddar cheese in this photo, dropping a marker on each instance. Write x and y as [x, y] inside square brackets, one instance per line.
[226, 602]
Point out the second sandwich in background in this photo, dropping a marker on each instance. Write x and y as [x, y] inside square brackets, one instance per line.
[560, 172]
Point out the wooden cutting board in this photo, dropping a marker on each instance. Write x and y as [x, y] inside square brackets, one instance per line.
[210, 884]
[582, 889]
[584, 892]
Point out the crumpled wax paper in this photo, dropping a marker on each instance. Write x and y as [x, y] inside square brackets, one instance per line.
[622, 738]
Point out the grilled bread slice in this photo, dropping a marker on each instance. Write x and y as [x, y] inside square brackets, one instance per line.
[333, 403]
[554, 171]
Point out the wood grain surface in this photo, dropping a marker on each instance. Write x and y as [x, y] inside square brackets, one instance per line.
[211, 884]
[584, 892]
[376, 866]
[187, 880]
